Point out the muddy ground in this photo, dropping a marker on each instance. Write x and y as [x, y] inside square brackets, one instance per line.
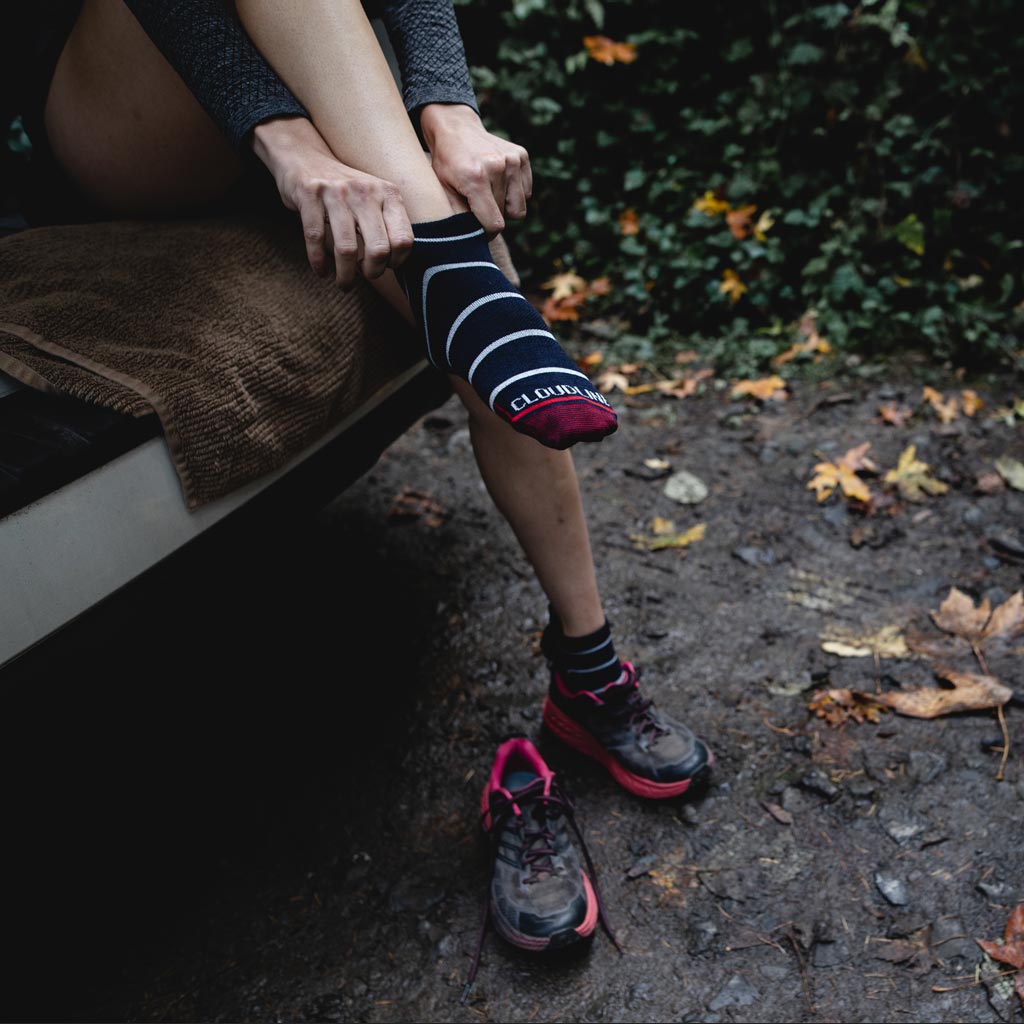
[250, 792]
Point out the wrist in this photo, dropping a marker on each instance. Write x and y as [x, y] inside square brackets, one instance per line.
[437, 118]
[274, 141]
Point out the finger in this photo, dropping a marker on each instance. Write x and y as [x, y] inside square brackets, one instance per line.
[399, 229]
[480, 197]
[346, 243]
[498, 173]
[527, 175]
[515, 191]
[313, 231]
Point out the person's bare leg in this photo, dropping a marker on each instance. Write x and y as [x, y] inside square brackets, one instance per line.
[125, 126]
[328, 55]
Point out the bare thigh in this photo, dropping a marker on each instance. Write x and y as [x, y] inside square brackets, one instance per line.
[124, 125]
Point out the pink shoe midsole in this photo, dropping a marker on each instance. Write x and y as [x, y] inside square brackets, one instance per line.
[574, 735]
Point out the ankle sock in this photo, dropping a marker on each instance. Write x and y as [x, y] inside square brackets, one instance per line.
[479, 326]
[583, 662]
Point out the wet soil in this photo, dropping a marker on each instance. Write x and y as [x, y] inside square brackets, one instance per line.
[250, 791]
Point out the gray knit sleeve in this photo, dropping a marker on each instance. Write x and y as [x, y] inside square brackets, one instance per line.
[430, 54]
[207, 46]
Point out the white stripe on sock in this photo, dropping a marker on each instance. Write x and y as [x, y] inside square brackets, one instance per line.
[426, 282]
[450, 238]
[504, 341]
[469, 309]
[597, 668]
[532, 373]
[591, 650]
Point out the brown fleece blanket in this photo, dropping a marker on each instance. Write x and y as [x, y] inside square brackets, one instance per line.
[219, 326]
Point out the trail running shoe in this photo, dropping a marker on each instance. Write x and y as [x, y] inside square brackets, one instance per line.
[647, 751]
[540, 896]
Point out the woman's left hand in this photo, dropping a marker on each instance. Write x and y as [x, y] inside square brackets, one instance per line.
[492, 174]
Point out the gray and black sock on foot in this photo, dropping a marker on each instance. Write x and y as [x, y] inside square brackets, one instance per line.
[583, 662]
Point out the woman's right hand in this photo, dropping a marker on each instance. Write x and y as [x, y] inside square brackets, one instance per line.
[359, 218]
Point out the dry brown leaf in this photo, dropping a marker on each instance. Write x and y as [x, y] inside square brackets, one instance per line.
[856, 459]
[971, 692]
[947, 409]
[780, 814]
[600, 286]
[1008, 619]
[611, 380]
[689, 356]
[732, 285]
[562, 309]
[764, 389]
[958, 615]
[912, 478]
[739, 221]
[1011, 950]
[895, 416]
[838, 706]
[410, 503]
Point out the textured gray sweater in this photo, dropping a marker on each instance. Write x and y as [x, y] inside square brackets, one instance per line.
[229, 77]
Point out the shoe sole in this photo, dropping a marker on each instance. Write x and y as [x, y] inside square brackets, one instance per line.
[574, 735]
[550, 943]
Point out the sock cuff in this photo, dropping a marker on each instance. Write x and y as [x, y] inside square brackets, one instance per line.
[457, 227]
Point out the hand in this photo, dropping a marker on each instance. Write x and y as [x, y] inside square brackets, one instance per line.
[362, 219]
[493, 175]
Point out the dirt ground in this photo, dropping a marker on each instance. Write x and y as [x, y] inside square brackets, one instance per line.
[253, 793]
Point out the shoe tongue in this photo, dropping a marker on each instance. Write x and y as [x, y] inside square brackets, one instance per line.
[519, 780]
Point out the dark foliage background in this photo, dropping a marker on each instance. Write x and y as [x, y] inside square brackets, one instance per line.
[883, 139]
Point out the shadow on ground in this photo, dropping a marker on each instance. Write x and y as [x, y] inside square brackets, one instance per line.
[247, 789]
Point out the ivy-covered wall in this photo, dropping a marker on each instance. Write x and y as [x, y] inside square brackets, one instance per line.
[729, 167]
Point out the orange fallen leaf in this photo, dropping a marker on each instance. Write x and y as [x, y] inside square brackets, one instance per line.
[947, 409]
[686, 357]
[970, 401]
[1011, 950]
[599, 286]
[562, 309]
[830, 475]
[856, 459]
[607, 51]
[893, 415]
[629, 222]
[611, 380]
[971, 691]
[913, 478]
[764, 389]
[590, 361]
[410, 503]
[739, 221]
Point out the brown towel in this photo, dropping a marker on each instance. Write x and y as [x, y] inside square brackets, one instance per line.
[219, 326]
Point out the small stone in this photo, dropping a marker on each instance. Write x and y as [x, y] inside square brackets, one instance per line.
[793, 800]
[923, 766]
[902, 831]
[690, 815]
[892, 889]
[769, 453]
[774, 971]
[998, 892]
[702, 936]
[447, 946]
[755, 556]
[685, 488]
[642, 866]
[861, 788]
[816, 781]
[737, 992]
[973, 516]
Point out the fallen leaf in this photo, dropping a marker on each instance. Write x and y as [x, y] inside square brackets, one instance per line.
[657, 464]
[1008, 619]
[600, 286]
[562, 286]
[1011, 949]
[410, 503]
[893, 415]
[562, 309]
[1011, 470]
[710, 204]
[684, 386]
[610, 380]
[838, 706]
[989, 483]
[958, 615]
[607, 51]
[886, 642]
[590, 362]
[732, 285]
[686, 357]
[947, 409]
[660, 526]
[970, 402]
[780, 814]
[764, 389]
[971, 692]
[764, 224]
[739, 221]
[912, 478]
[629, 222]
[915, 952]
[830, 475]
[682, 540]
[856, 459]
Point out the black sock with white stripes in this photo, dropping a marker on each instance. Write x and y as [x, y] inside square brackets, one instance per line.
[583, 662]
[479, 326]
